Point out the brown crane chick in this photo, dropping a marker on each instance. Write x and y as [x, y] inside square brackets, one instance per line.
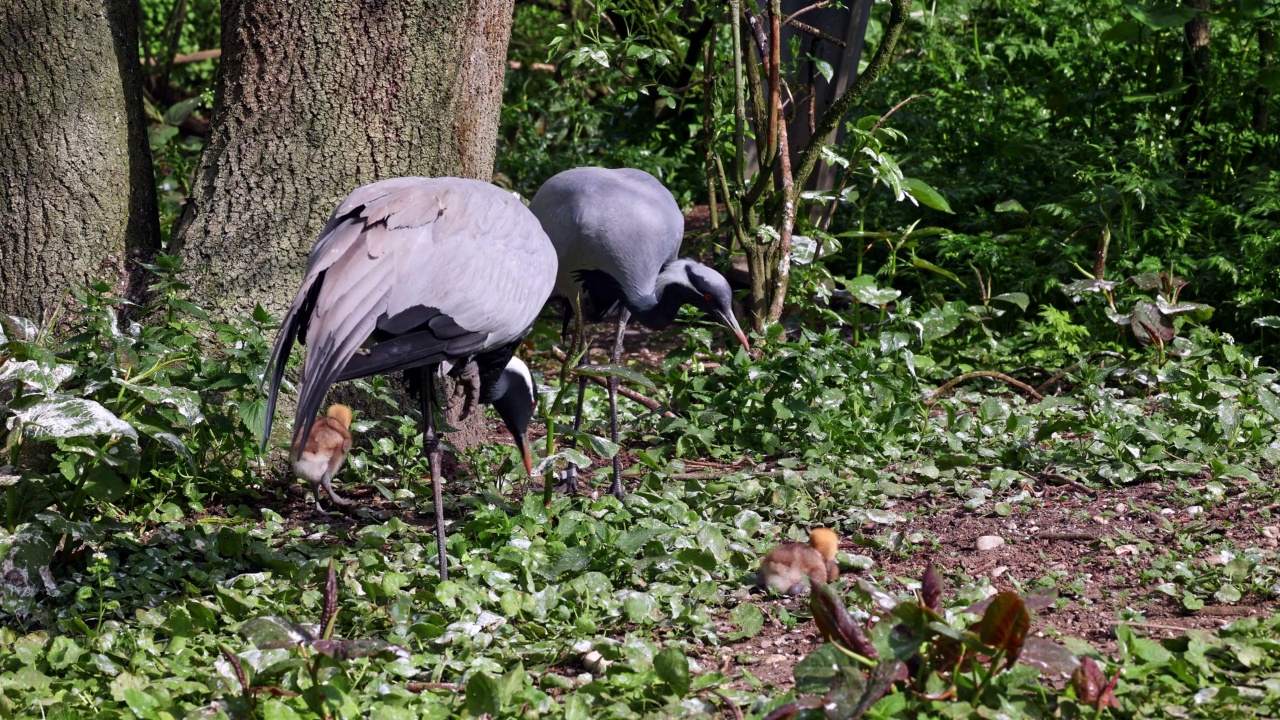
[787, 566]
[324, 453]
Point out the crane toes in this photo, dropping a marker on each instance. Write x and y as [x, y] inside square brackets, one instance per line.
[469, 379]
[568, 481]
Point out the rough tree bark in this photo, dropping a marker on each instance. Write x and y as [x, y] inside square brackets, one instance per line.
[77, 198]
[317, 98]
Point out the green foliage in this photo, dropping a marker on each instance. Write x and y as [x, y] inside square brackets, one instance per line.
[1050, 121]
[621, 92]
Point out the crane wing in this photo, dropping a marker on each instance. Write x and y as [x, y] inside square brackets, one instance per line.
[420, 271]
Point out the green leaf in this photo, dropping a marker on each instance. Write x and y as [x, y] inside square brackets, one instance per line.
[1014, 298]
[921, 263]
[824, 69]
[186, 401]
[179, 111]
[673, 669]
[1163, 15]
[1011, 206]
[618, 371]
[482, 696]
[253, 413]
[71, 417]
[927, 196]
[748, 618]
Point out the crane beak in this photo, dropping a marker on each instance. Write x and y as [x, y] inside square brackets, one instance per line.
[732, 323]
[523, 442]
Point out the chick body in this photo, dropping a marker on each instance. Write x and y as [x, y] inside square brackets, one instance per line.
[788, 566]
[325, 452]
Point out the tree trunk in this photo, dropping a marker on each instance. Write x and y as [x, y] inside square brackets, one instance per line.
[1266, 62]
[317, 98]
[847, 24]
[1196, 65]
[77, 196]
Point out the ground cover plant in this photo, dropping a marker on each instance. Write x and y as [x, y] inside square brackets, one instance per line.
[1033, 390]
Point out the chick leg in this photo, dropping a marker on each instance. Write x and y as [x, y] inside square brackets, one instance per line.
[435, 456]
[328, 488]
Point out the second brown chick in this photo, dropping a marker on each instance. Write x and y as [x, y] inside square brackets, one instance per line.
[325, 451]
[788, 566]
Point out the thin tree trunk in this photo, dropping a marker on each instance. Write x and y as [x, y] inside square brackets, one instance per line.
[1262, 96]
[77, 196]
[848, 24]
[1196, 64]
[317, 98]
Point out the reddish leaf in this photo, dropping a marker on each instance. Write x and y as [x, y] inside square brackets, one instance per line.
[791, 709]
[329, 610]
[878, 685]
[1049, 656]
[1092, 686]
[931, 588]
[834, 623]
[1005, 624]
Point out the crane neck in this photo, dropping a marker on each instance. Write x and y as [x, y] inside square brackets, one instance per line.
[671, 290]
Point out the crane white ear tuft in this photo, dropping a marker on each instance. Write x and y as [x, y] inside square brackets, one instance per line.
[517, 367]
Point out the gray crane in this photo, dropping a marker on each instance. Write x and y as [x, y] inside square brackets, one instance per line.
[429, 276]
[617, 234]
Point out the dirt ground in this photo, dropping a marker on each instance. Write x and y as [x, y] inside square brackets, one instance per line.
[1099, 539]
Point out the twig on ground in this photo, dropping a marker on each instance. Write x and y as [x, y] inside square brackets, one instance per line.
[1060, 479]
[1067, 536]
[953, 382]
[733, 708]
[417, 687]
[623, 391]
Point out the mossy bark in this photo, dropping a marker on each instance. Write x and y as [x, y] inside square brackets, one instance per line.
[317, 98]
[77, 197]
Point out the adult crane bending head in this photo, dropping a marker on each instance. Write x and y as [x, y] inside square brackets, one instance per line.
[617, 234]
[431, 275]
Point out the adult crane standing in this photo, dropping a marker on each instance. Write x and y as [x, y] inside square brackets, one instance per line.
[617, 234]
[426, 275]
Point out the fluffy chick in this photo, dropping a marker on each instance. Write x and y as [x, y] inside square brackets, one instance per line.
[787, 566]
[324, 453]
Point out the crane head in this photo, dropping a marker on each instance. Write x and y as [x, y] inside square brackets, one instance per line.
[515, 403]
[712, 295]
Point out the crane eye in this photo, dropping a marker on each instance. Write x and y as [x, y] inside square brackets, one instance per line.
[706, 296]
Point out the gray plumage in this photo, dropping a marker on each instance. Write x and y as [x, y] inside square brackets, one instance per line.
[617, 234]
[428, 273]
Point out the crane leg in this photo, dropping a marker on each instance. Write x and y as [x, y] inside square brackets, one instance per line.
[616, 488]
[435, 456]
[569, 485]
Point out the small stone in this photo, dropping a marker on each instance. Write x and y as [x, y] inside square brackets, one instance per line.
[989, 542]
[1099, 519]
[1166, 511]
[1271, 531]
[1123, 550]
[1121, 509]
[1194, 510]
[999, 571]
